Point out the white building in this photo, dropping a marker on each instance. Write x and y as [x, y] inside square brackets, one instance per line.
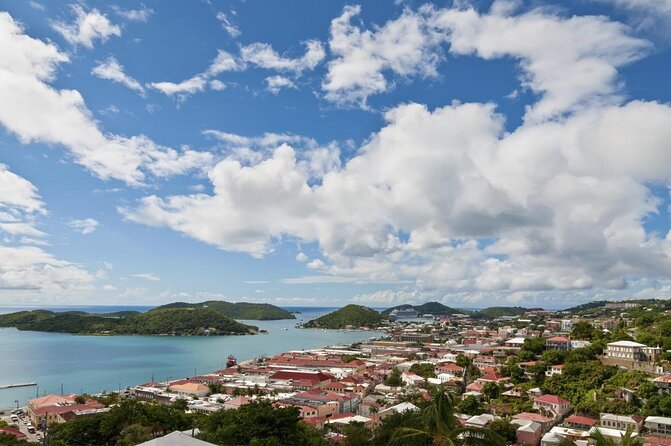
[659, 426]
[631, 351]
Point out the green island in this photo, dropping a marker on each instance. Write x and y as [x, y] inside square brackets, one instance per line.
[434, 308]
[350, 316]
[239, 310]
[159, 321]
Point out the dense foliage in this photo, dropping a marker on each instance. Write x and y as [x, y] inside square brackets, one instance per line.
[239, 310]
[497, 312]
[350, 315]
[172, 321]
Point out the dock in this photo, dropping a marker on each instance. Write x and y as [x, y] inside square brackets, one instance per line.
[11, 386]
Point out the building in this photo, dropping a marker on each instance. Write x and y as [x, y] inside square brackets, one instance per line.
[552, 405]
[659, 426]
[554, 370]
[581, 423]
[663, 383]
[189, 389]
[621, 422]
[558, 343]
[528, 433]
[176, 438]
[632, 351]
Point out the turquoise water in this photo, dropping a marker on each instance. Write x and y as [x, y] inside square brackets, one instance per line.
[95, 363]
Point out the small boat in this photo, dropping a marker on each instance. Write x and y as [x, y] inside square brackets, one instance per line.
[231, 361]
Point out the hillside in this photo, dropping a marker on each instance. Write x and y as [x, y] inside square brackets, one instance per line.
[356, 316]
[238, 310]
[176, 321]
[435, 308]
[496, 312]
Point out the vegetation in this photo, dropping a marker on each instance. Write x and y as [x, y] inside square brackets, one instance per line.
[11, 440]
[435, 308]
[497, 312]
[259, 424]
[169, 321]
[394, 378]
[239, 310]
[440, 426]
[356, 316]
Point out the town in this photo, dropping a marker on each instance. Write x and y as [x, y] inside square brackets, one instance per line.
[533, 378]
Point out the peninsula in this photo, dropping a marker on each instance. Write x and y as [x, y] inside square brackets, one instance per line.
[160, 321]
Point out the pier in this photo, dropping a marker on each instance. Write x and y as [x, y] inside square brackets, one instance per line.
[11, 386]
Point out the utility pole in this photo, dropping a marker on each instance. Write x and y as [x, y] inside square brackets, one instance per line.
[61, 388]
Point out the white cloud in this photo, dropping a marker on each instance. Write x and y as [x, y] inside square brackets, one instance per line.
[34, 111]
[264, 56]
[87, 27]
[646, 13]
[275, 84]
[226, 23]
[222, 63]
[112, 70]
[134, 15]
[404, 46]
[301, 257]
[84, 226]
[24, 267]
[147, 276]
[572, 62]
[36, 5]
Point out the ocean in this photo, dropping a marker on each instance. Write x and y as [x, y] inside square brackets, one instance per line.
[92, 364]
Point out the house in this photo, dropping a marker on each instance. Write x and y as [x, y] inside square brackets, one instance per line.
[176, 438]
[658, 426]
[52, 408]
[528, 433]
[517, 342]
[627, 352]
[545, 422]
[663, 383]
[552, 405]
[411, 378]
[399, 408]
[14, 432]
[614, 434]
[482, 362]
[481, 421]
[621, 422]
[560, 343]
[493, 378]
[554, 370]
[578, 422]
[189, 388]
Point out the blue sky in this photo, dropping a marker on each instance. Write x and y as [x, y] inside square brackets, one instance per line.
[322, 153]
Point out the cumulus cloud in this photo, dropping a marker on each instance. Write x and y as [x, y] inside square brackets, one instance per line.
[222, 63]
[84, 226]
[35, 111]
[404, 46]
[645, 13]
[24, 267]
[112, 70]
[561, 202]
[87, 27]
[264, 56]
[275, 84]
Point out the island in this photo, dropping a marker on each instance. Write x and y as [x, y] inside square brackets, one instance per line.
[159, 321]
[239, 310]
[349, 316]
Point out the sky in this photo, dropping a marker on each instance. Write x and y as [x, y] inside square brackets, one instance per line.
[308, 153]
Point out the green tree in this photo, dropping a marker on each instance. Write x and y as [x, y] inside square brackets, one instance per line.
[441, 427]
[463, 360]
[394, 378]
[424, 370]
[134, 434]
[504, 429]
[470, 406]
[584, 331]
[357, 434]
[491, 391]
[259, 424]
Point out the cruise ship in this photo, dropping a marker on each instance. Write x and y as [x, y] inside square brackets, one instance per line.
[404, 312]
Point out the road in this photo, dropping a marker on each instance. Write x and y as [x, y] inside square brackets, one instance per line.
[21, 425]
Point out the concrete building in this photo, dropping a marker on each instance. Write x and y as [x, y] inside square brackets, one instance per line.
[552, 405]
[659, 426]
[621, 422]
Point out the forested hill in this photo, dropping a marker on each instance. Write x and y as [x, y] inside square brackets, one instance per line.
[434, 308]
[355, 316]
[239, 310]
[496, 312]
[167, 322]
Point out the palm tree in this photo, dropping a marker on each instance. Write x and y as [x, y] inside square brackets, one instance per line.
[441, 427]
[627, 439]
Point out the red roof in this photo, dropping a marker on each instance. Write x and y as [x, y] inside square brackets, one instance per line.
[656, 441]
[65, 409]
[301, 375]
[532, 417]
[551, 399]
[576, 419]
[10, 431]
[559, 339]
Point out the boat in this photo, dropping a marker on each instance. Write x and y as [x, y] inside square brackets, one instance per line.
[231, 361]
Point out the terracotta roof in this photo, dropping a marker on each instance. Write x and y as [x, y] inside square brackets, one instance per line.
[551, 399]
[10, 431]
[532, 417]
[576, 419]
[559, 339]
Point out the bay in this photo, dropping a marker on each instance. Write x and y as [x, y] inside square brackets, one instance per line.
[92, 364]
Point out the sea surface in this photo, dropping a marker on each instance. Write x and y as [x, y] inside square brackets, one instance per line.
[92, 364]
